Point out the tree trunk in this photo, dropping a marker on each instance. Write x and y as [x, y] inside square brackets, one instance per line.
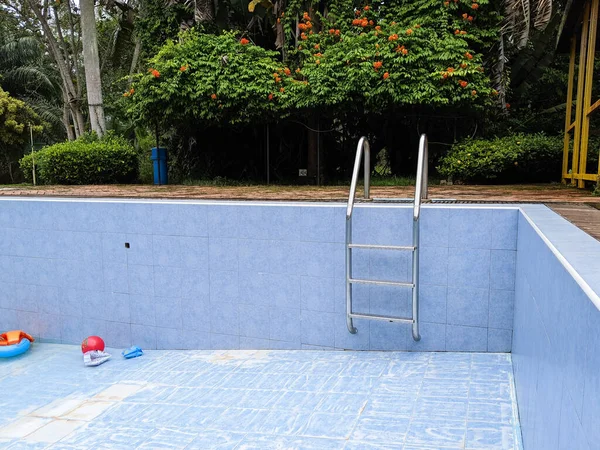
[135, 59]
[91, 61]
[312, 157]
[204, 11]
[66, 120]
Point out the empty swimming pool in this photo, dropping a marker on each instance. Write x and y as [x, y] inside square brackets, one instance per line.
[192, 279]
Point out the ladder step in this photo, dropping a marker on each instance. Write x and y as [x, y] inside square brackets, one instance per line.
[385, 283]
[385, 318]
[383, 247]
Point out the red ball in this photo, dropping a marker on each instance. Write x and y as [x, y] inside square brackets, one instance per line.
[92, 343]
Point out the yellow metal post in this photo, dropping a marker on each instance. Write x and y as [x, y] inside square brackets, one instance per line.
[565, 165]
[579, 98]
[587, 96]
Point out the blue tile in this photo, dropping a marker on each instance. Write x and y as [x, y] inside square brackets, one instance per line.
[142, 310]
[223, 221]
[388, 300]
[117, 308]
[168, 312]
[24, 298]
[490, 435]
[113, 248]
[168, 281]
[318, 259]
[179, 219]
[433, 338]
[383, 429]
[433, 265]
[217, 439]
[30, 322]
[93, 327]
[432, 303]
[388, 265]
[255, 222]
[170, 339]
[115, 278]
[591, 398]
[329, 425]
[503, 269]
[72, 303]
[250, 343]
[347, 341]
[49, 324]
[318, 294]
[437, 433]
[437, 408]
[571, 433]
[166, 251]
[254, 321]
[223, 254]
[86, 276]
[224, 287]
[468, 306]
[388, 336]
[253, 255]
[434, 227]
[284, 290]
[285, 324]
[315, 224]
[470, 228]
[141, 279]
[224, 342]
[196, 314]
[285, 257]
[466, 339]
[469, 268]
[118, 334]
[194, 252]
[504, 229]
[196, 284]
[398, 229]
[224, 318]
[318, 328]
[499, 340]
[501, 309]
[70, 330]
[140, 249]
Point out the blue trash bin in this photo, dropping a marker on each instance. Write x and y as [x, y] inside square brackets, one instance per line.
[159, 158]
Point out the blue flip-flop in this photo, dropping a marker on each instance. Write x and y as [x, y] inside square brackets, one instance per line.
[132, 352]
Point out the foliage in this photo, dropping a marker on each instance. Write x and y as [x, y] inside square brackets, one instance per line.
[15, 116]
[406, 55]
[87, 160]
[515, 158]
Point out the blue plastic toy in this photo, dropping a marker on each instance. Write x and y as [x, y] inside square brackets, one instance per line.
[14, 350]
[132, 352]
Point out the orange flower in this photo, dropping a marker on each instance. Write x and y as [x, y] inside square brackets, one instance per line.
[417, 26]
[278, 20]
[465, 15]
[331, 31]
[456, 31]
[298, 70]
[337, 32]
[386, 76]
[318, 61]
[131, 91]
[446, 4]
[450, 69]
[409, 31]
[468, 55]
[308, 25]
[463, 83]
[473, 92]
[303, 36]
[494, 92]
[475, 6]
[367, 7]
[508, 106]
[287, 71]
[213, 96]
[364, 23]
[470, 18]
[183, 68]
[281, 90]
[318, 54]
[376, 45]
[378, 28]
[356, 22]
[377, 65]
[444, 75]
[155, 73]
[126, 94]
[405, 51]
[399, 48]
[393, 23]
[305, 16]
[244, 41]
[463, 32]
[463, 66]
[371, 23]
[270, 96]
[393, 37]
[357, 12]
[299, 47]
[317, 46]
[310, 32]
[277, 80]
[301, 26]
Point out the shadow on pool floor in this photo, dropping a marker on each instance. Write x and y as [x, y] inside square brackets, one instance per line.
[258, 400]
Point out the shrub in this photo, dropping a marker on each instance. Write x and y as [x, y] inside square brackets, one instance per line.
[516, 158]
[88, 160]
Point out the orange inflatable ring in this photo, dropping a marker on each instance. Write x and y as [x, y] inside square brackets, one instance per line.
[13, 343]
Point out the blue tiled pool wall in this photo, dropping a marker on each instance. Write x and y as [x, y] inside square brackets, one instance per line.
[556, 346]
[242, 275]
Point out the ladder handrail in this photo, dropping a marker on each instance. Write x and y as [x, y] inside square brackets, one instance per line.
[421, 186]
[362, 147]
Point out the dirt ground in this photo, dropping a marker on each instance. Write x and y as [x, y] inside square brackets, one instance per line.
[543, 193]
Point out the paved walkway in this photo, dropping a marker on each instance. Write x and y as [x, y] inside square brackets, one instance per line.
[545, 193]
[258, 400]
[584, 216]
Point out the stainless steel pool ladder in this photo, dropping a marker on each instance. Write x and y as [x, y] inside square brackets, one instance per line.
[420, 193]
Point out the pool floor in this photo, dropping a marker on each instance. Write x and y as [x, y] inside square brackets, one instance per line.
[258, 400]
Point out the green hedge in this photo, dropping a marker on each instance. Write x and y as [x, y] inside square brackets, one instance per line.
[88, 160]
[512, 159]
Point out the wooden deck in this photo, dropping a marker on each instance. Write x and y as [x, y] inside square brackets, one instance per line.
[585, 216]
